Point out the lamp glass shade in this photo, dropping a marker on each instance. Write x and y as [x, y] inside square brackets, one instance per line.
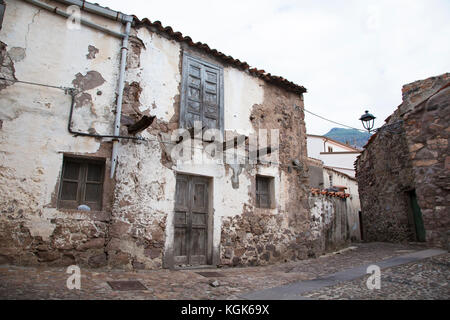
[368, 120]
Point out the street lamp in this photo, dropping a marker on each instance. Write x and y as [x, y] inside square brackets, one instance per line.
[368, 121]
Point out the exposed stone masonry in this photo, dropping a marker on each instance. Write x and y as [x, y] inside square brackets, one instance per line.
[412, 157]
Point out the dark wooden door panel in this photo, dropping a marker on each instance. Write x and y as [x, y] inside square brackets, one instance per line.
[202, 94]
[198, 246]
[180, 248]
[191, 220]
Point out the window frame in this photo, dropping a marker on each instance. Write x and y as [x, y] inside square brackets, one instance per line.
[81, 181]
[184, 84]
[270, 192]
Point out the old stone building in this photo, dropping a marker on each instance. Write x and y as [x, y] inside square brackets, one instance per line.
[87, 168]
[404, 171]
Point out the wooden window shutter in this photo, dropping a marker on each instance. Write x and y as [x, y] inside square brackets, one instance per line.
[201, 94]
[263, 196]
[81, 183]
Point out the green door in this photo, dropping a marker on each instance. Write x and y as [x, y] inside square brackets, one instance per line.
[417, 216]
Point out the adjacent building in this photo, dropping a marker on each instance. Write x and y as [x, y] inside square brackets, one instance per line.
[403, 172]
[332, 153]
[334, 200]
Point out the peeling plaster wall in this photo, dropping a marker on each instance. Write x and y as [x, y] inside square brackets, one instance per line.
[34, 135]
[242, 92]
[330, 223]
[158, 74]
[319, 177]
[154, 69]
[135, 228]
[353, 205]
[262, 236]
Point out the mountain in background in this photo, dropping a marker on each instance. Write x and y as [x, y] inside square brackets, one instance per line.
[352, 137]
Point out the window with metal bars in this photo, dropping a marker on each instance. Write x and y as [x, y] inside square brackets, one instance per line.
[264, 192]
[81, 183]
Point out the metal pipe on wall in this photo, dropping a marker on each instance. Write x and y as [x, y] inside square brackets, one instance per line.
[85, 22]
[72, 93]
[93, 8]
[116, 16]
[123, 62]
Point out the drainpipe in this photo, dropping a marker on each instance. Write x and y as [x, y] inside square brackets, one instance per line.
[99, 10]
[123, 62]
[85, 22]
[113, 15]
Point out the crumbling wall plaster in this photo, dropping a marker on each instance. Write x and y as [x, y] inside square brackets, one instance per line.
[353, 202]
[330, 224]
[135, 229]
[157, 73]
[34, 136]
[261, 236]
[241, 94]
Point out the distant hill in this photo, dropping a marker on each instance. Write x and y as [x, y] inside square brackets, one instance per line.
[353, 137]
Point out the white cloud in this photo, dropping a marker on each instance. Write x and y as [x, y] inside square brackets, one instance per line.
[351, 55]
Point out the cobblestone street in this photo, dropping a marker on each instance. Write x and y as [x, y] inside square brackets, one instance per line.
[426, 279]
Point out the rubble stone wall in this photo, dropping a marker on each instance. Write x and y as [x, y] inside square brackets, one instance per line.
[411, 155]
[428, 132]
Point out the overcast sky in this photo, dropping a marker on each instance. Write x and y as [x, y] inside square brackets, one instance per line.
[351, 55]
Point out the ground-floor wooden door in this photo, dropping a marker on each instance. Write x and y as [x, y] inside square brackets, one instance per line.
[191, 221]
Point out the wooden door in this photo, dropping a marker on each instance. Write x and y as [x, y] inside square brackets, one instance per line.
[191, 221]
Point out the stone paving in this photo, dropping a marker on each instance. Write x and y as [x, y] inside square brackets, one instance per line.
[50, 283]
[425, 280]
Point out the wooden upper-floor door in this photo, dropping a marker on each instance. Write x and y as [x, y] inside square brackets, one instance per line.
[191, 221]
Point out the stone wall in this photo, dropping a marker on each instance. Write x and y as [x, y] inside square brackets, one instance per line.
[410, 152]
[260, 236]
[428, 131]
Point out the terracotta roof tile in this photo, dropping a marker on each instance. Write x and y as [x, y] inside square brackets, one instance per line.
[342, 195]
